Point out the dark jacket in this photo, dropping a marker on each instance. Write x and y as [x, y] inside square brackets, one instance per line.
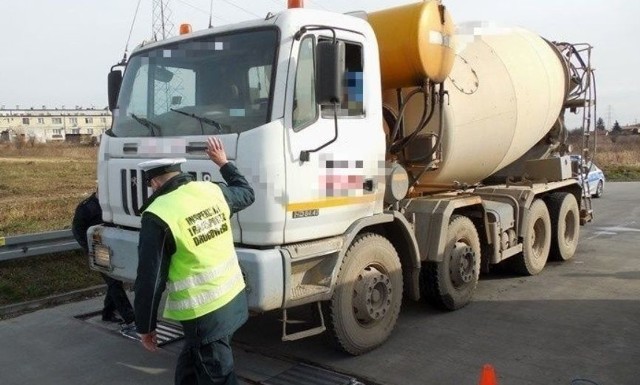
[87, 214]
[155, 249]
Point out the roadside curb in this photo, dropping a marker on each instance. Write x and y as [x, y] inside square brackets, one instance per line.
[13, 310]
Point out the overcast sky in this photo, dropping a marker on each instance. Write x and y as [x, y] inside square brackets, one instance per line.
[57, 53]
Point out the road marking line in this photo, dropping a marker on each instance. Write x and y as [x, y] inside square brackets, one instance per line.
[619, 229]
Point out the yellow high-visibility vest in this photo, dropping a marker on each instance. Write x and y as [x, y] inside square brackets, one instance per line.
[204, 273]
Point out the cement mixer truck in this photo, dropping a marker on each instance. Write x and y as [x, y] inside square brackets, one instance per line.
[392, 155]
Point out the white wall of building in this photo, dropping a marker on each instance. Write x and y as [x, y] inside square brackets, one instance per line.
[46, 125]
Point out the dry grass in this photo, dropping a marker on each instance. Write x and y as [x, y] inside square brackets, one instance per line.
[624, 151]
[40, 187]
[617, 156]
[57, 151]
[38, 277]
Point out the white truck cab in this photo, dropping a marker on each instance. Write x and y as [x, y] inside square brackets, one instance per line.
[251, 85]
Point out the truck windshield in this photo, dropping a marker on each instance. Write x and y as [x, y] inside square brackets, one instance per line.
[179, 89]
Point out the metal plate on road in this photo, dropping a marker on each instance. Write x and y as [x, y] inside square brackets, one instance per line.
[166, 332]
[305, 374]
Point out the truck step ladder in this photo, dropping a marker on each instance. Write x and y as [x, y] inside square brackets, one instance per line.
[583, 95]
[304, 333]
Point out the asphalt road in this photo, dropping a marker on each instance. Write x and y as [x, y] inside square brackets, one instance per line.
[576, 320]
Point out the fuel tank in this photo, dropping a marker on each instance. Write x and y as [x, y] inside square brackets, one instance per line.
[505, 92]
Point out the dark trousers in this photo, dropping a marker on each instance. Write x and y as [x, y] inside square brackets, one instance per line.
[210, 364]
[117, 300]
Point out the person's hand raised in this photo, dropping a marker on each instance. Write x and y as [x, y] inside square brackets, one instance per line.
[216, 152]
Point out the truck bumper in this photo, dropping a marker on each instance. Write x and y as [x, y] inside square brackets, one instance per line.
[114, 251]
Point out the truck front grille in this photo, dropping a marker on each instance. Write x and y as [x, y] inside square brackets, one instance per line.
[134, 191]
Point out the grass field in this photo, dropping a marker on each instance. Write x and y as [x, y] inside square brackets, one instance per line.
[620, 160]
[618, 157]
[40, 187]
[38, 277]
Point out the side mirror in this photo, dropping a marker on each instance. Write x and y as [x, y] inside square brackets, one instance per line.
[330, 60]
[114, 81]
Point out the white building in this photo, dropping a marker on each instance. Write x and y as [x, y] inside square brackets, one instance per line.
[58, 124]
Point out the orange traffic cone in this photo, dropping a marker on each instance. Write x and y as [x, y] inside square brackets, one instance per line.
[488, 376]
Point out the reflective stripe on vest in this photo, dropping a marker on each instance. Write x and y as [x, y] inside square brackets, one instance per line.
[202, 278]
[204, 274]
[201, 299]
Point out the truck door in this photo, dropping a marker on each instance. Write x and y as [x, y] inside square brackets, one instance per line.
[339, 183]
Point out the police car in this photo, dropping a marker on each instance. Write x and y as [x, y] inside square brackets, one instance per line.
[594, 174]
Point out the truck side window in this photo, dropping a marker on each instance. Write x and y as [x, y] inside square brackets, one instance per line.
[352, 104]
[305, 109]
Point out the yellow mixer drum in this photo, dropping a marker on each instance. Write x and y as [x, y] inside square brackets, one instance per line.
[414, 42]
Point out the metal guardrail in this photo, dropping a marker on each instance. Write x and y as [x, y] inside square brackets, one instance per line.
[30, 245]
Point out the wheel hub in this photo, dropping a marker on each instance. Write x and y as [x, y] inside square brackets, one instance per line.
[372, 295]
[462, 267]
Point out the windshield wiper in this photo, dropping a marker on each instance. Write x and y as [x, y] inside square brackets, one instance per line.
[201, 119]
[149, 124]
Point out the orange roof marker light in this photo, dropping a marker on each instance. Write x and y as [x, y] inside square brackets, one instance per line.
[296, 3]
[185, 29]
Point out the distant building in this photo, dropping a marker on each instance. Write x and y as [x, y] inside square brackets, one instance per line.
[631, 129]
[47, 125]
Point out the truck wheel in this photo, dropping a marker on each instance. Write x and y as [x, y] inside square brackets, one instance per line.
[368, 294]
[536, 240]
[450, 284]
[565, 225]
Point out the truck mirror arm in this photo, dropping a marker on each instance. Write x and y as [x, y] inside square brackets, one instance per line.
[304, 154]
[303, 30]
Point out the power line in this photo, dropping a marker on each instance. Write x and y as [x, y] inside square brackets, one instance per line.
[280, 3]
[318, 5]
[202, 10]
[240, 8]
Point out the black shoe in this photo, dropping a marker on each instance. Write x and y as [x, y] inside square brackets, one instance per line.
[128, 327]
[129, 330]
[111, 317]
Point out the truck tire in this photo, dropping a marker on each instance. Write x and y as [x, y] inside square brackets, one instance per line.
[565, 225]
[536, 240]
[450, 284]
[366, 301]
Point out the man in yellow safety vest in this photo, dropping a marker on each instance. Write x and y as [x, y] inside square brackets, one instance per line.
[186, 245]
